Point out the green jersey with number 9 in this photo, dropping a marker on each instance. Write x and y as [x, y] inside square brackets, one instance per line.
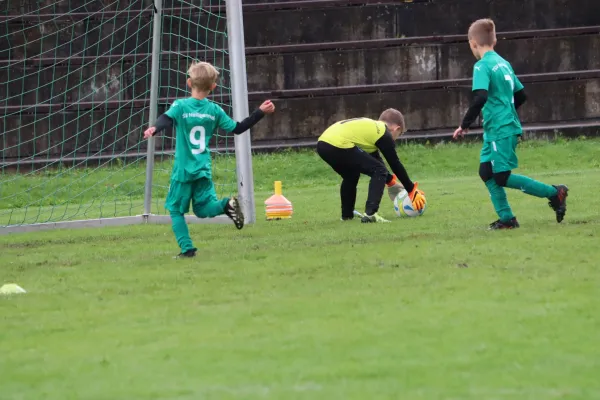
[495, 74]
[195, 122]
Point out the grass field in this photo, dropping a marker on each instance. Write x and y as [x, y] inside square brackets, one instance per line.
[434, 307]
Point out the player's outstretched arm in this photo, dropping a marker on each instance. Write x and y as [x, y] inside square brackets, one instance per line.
[387, 146]
[163, 122]
[265, 108]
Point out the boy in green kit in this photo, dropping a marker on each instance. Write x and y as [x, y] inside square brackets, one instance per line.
[498, 91]
[195, 119]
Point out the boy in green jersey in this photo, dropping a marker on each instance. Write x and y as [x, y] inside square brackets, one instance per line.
[195, 119]
[498, 91]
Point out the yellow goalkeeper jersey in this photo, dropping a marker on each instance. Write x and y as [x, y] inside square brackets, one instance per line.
[359, 132]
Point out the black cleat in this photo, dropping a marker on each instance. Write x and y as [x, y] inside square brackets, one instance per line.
[559, 202]
[234, 211]
[512, 224]
[188, 254]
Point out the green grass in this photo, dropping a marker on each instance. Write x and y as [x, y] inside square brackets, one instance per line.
[54, 195]
[433, 307]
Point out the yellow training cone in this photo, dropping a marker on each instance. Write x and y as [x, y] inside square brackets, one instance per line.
[277, 206]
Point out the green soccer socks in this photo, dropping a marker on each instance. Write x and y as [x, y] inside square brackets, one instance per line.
[530, 186]
[210, 207]
[499, 200]
[180, 229]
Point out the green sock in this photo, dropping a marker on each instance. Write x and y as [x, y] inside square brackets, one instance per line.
[499, 200]
[530, 186]
[180, 229]
[211, 208]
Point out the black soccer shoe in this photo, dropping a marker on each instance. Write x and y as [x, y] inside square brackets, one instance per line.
[234, 211]
[559, 202]
[188, 254]
[512, 224]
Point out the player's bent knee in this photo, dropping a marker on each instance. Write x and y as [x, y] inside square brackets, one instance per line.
[485, 171]
[501, 178]
[175, 214]
[350, 180]
[381, 172]
[200, 213]
[210, 209]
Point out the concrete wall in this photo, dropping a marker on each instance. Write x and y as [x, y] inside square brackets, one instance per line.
[21, 7]
[74, 133]
[415, 63]
[94, 131]
[109, 127]
[130, 80]
[426, 109]
[418, 19]
[102, 81]
[120, 35]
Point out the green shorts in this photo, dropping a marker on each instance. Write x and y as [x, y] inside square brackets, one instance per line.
[201, 193]
[501, 153]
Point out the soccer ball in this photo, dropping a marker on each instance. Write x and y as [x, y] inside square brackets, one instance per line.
[404, 208]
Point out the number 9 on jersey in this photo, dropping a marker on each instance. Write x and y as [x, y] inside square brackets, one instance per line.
[198, 138]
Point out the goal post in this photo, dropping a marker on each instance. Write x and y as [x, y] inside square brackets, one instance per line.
[239, 100]
[153, 114]
[79, 83]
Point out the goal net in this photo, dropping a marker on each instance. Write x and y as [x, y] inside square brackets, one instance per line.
[75, 98]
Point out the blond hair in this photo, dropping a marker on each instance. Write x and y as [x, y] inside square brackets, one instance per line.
[483, 31]
[393, 117]
[203, 76]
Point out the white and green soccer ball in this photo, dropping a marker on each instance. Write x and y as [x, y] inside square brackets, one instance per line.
[404, 208]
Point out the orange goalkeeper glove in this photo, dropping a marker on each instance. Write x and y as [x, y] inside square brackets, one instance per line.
[417, 197]
[392, 182]
[394, 188]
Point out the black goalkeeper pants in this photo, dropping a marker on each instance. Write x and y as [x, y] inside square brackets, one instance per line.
[349, 164]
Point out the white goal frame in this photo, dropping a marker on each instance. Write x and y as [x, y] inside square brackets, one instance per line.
[243, 152]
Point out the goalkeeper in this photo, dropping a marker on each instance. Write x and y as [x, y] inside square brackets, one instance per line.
[352, 147]
[195, 119]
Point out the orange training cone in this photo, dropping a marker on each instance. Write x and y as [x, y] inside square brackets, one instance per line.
[277, 206]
